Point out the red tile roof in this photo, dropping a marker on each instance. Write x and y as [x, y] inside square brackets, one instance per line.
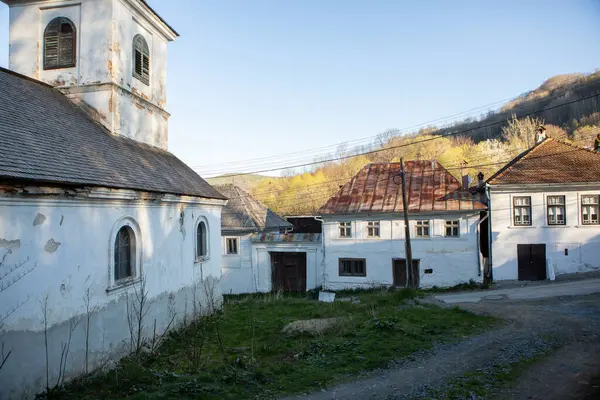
[430, 188]
[551, 161]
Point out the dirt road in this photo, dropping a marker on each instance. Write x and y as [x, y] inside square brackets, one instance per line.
[549, 348]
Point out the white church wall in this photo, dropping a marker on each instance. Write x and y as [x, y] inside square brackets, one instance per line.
[66, 247]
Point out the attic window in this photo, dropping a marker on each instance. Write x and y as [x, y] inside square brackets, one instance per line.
[141, 59]
[59, 44]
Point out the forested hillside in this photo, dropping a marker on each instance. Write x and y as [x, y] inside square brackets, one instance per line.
[567, 105]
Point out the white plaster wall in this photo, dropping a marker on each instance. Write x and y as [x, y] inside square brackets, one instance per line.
[453, 260]
[237, 268]
[582, 241]
[83, 230]
[250, 271]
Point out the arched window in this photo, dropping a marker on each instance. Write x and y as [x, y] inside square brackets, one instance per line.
[125, 254]
[201, 241]
[141, 59]
[59, 44]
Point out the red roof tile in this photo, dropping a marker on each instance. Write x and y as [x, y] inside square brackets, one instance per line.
[430, 187]
[551, 161]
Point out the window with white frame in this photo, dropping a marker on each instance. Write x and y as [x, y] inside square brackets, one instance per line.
[125, 249]
[422, 228]
[589, 209]
[452, 228]
[201, 251]
[345, 229]
[556, 210]
[522, 210]
[373, 229]
[232, 246]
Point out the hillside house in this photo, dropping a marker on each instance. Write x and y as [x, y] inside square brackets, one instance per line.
[93, 208]
[363, 229]
[260, 251]
[544, 213]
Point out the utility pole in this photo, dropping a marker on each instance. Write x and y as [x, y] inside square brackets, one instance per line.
[406, 227]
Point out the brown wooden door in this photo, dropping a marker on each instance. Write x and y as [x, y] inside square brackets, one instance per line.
[531, 262]
[288, 271]
[399, 271]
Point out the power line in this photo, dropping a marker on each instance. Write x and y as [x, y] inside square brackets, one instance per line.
[413, 143]
[216, 170]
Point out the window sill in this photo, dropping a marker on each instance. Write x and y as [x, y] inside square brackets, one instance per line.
[588, 226]
[231, 255]
[201, 260]
[557, 226]
[352, 276]
[122, 285]
[521, 227]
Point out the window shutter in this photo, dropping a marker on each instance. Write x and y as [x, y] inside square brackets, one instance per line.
[66, 45]
[51, 45]
[141, 59]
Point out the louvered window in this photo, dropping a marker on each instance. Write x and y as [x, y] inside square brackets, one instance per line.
[59, 44]
[141, 59]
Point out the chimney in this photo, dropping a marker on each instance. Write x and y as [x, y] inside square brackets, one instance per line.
[466, 182]
[480, 181]
[541, 134]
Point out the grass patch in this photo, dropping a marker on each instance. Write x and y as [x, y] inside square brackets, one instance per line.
[461, 287]
[257, 360]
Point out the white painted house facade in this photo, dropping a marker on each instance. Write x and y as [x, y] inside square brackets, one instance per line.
[544, 213]
[93, 208]
[364, 233]
[260, 251]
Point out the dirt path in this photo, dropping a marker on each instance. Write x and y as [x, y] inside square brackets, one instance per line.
[565, 328]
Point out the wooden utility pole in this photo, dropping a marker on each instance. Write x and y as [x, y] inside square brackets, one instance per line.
[406, 227]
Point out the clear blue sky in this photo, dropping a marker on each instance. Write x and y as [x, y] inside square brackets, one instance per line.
[250, 79]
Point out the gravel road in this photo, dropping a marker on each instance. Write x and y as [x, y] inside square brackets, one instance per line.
[568, 328]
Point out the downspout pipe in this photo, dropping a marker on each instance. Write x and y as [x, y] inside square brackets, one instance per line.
[490, 263]
[323, 283]
[479, 256]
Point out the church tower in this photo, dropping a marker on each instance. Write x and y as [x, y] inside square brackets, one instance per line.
[108, 56]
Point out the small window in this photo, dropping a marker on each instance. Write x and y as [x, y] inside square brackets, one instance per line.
[59, 44]
[345, 229]
[353, 267]
[556, 210]
[232, 246]
[522, 211]
[124, 254]
[201, 241]
[422, 229]
[141, 59]
[589, 209]
[373, 229]
[452, 228]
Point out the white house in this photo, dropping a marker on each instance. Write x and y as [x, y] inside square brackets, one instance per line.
[364, 237]
[93, 208]
[260, 253]
[544, 213]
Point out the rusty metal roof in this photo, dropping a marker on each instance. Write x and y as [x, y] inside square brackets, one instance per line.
[430, 188]
[285, 237]
[551, 161]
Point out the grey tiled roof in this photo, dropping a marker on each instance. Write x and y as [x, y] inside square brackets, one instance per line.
[243, 213]
[45, 138]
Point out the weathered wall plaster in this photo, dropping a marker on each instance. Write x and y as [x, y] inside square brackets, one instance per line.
[103, 76]
[66, 259]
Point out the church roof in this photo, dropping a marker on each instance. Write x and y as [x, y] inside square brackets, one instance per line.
[243, 213]
[45, 138]
[550, 161]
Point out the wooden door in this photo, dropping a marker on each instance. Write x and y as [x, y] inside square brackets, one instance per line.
[531, 262]
[399, 272]
[288, 271]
